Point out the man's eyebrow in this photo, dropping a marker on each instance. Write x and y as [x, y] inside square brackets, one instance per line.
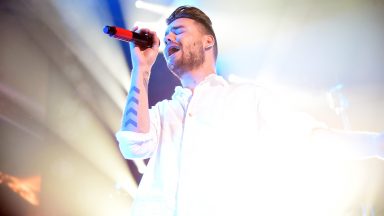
[173, 29]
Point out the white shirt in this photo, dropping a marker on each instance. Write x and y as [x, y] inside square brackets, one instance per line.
[208, 150]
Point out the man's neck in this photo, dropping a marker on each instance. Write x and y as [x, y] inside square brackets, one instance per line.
[191, 79]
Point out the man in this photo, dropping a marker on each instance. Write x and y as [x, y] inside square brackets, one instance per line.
[212, 145]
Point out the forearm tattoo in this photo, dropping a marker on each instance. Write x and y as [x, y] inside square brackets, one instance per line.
[130, 115]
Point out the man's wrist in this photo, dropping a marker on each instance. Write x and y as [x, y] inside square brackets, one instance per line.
[140, 73]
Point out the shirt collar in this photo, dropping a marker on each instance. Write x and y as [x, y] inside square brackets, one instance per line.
[212, 80]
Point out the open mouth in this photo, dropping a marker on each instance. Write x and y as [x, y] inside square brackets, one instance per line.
[172, 50]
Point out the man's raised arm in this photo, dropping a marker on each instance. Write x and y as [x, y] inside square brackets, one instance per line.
[136, 116]
[135, 139]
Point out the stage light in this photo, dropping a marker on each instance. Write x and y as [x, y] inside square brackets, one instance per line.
[155, 8]
[91, 74]
[27, 188]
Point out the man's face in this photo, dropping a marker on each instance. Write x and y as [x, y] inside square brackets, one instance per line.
[184, 46]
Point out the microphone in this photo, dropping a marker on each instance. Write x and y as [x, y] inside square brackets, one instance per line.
[142, 40]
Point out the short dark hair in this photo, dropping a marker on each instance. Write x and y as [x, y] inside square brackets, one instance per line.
[197, 15]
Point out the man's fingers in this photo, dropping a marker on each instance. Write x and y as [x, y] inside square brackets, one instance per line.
[156, 40]
[134, 28]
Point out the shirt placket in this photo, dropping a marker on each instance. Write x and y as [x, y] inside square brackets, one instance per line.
[185, 145]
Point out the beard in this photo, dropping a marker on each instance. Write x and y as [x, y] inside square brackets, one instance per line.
[192, 57]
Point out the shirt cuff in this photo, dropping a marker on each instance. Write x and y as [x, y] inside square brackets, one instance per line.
[130, 137]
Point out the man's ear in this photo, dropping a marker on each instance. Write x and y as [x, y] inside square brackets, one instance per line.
[209, 42]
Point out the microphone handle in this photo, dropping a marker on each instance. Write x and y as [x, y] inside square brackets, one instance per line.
[142, 40]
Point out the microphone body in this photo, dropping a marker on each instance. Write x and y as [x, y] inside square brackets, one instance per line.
[142, 40]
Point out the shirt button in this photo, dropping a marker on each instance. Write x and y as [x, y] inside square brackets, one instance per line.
[190, 114]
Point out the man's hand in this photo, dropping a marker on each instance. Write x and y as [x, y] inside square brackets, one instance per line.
[144, 58]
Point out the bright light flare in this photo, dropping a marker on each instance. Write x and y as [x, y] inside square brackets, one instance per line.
[101, 55]
[28, 188]
[322, 178]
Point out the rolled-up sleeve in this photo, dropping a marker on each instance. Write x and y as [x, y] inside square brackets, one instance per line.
[135, 145]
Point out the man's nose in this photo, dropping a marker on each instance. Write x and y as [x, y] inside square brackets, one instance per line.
[169, 38]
